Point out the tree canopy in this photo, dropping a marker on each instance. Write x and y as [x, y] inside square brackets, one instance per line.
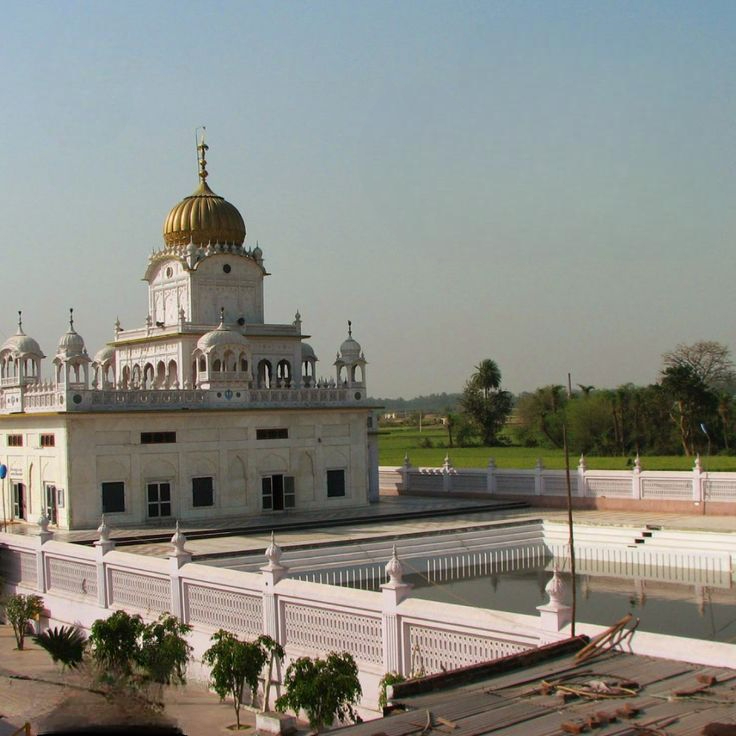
[485, 402]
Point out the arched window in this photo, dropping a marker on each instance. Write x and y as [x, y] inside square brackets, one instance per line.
[265, 372]
[202, 364]
[283, 372]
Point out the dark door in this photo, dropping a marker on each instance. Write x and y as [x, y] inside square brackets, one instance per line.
[277, 482]
[19, 501]
[51, 510]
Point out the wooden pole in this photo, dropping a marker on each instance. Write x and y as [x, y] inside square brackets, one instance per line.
[570, 539]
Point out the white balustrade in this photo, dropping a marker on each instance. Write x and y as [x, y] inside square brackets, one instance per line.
[695, 485]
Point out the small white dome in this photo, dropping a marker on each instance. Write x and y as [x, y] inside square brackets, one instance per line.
[105, 355]
[221, 337]
[21, 345]
[308, 352]
[71, 344]
[350, 349]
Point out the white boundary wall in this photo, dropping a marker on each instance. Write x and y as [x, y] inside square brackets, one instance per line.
[696, 485]
[384, 631]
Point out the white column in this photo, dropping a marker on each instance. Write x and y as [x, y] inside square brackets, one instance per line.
[272, 573]
[636, 478]
[538, 468]
[581, 476]
[102, 546]
[177, 559]
[446, 475]
[698, 478]
[44, 535]
[395, 657]
[491, 476]
[554, 615]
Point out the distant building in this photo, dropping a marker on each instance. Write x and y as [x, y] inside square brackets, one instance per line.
[205, 411]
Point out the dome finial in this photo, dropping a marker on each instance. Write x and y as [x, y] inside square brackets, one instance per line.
[201, 148]
[71, 319]
[222, 316]
[20, 322]
[350, 328]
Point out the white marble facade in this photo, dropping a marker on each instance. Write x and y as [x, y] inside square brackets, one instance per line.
[205, 411]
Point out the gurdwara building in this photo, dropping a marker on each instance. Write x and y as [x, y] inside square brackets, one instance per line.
[206, 411]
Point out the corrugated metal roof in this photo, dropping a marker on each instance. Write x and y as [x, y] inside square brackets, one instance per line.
[668, 697]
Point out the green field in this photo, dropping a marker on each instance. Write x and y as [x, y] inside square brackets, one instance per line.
[395, 443]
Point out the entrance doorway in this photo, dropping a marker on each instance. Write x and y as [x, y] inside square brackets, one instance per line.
[50, 508]
[277, 492]
[19, 501]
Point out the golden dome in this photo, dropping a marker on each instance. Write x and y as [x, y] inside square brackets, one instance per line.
[204, 217]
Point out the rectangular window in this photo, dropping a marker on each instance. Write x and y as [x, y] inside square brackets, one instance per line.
[289, 494]
[15, 440]
[113, 497]
[335, 483]
[19, 501]
[48, 440]
[157, 438]
[272, 434]
[159, 500]
[202, 492]
[267, 493]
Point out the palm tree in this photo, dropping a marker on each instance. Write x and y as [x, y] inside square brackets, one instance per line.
[487, 376]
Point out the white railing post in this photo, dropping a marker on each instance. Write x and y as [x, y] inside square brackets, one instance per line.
[447, 475]
[177, 559]
[636, 478]
[272, 572]
[102, 546]
[44, 535]
[538, 469]
[491, 476]
[555, 614]
[404, 471]
[582, 467]
[395, 658]
[698, 477]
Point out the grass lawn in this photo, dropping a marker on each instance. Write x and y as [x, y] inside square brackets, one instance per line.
[394, 443]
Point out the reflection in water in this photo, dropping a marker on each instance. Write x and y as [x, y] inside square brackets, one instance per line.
[697, 602]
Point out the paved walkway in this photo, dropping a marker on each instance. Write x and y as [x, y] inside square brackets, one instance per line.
[49, 700]
[394, 516]
[326, 534]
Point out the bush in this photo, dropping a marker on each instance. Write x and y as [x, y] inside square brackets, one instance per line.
[65, 644]
[20, 610]
[390, 678]
[426, 443]
[326, 689]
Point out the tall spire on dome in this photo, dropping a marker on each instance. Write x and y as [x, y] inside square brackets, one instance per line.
[71, 319]
[20, 323]
[350, 328]
[202, 147]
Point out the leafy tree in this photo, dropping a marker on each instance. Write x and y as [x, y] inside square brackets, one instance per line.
[326, 689]
[115, 644]
[692, 403]
[234, 664]
[20, 610]
[65, 644]
[130, 653]
[709, 360]
[163, 650]
[485, 402]
[540, 416]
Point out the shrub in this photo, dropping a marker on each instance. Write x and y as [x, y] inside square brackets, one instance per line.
[326, 689]
[65, 644]
[390, 678]
[20, 610]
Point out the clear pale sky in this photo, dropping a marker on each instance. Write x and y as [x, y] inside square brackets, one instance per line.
[547, 184]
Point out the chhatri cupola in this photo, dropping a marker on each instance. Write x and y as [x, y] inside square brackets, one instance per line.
[204, 217]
